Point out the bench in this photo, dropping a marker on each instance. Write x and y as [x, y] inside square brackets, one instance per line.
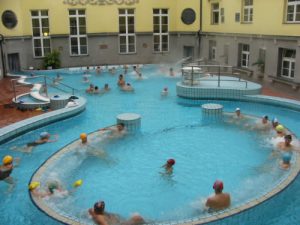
[295, 85]
[242, 70]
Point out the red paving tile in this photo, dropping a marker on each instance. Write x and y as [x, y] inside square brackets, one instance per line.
[12, 115]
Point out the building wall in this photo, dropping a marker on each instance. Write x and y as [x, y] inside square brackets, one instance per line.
[268, 30]
[102, 24]
[268, 18]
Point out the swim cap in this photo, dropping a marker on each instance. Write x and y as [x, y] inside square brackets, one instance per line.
[7, 159]
[83, 136]
[237, 109]
[279, 128]
[171, 162]
[286, 157]
[44, 134]
[99, 207]
[33, 185]
[218, 185]
[77, 183]
[275, 120]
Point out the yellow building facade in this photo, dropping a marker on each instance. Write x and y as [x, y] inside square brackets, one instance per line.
[260, 37]
[98, 32]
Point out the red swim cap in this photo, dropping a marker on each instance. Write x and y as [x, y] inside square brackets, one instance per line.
[171, 162]
[218, 185]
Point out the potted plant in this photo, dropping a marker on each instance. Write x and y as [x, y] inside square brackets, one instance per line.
[52, 60]
[260, 63]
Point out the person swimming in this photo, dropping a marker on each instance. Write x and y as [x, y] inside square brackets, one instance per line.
[280, 131]
[286, 144]
[6, 169]
[169, 166]
[285, 161]
[220, 200]
[164, 92]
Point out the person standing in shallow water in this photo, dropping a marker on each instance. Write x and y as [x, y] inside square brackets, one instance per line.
[220, 200]
[169, 166]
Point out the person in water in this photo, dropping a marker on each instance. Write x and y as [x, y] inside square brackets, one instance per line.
[169, 166]
[286, 144]
[116, 131]
[6, 169]
[101, 217]
[220, 200]
[44, 138]
[285, 161]
[280, 131]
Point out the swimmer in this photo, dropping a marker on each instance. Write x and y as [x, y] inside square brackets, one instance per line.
[285, 161]
[169, 166]
[275, 123]
[116, 131]
[44, 138]
[58, 77]
[90, 89]
[286, 144]
[98, 70]
[101, 217]
[121, 81]
[220, 200]
[171, 72]
[264, 124]
[96, 90]
[164, 92]
[106, 88]
[127, 88]
[139, 76]
[6, 169]
[89, 149]
[280, 131]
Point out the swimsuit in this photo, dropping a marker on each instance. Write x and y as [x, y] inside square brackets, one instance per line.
[4, 173]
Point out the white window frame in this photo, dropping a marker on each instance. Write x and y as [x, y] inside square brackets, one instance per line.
[245, 53]
[127, 34]
[291, 65]
[43, 36]
[248, 11]
[161, 34]
[294, 5]
[213, 12]
[78, 35]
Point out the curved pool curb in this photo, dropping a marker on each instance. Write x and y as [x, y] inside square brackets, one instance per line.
[280, 185]
[11, 131]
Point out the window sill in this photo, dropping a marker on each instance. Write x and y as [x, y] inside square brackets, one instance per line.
[79, 55]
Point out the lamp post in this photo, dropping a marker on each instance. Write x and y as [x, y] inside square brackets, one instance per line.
[2, 55]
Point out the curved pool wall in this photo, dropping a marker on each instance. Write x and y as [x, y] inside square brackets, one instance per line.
[239, 214]
[19, 128]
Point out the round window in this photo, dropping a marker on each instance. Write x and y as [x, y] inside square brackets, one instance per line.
[188, 16]
[9, 19]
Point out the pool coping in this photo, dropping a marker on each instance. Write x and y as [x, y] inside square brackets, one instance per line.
[11, 131]
[281, 184]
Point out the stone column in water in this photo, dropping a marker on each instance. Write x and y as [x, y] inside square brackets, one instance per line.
[132, 121]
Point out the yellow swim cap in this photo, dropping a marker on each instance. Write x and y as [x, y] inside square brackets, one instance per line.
[7, 159]
[77, 183]
[33, 185]
[279, 128]
[83, 136]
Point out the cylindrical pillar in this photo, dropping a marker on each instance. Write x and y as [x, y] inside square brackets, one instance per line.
[132, 121]
[212, 112]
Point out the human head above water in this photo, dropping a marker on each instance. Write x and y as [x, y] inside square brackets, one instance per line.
[7, 160]
[218, 186]
[83, 137]
[288, 138]
[171, 162]
[44, 135]
[99, 207]
[279, 128]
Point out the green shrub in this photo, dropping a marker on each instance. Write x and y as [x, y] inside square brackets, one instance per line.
[52, 60]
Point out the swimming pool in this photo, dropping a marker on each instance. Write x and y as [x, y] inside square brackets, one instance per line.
[158, 114]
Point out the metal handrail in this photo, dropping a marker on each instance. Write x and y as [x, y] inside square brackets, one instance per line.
[14, 85]
[218, 67]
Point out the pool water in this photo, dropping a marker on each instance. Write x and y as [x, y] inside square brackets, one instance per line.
[164, 125]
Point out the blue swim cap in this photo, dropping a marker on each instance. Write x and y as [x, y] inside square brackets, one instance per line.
[286, 157]
[44, 134]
